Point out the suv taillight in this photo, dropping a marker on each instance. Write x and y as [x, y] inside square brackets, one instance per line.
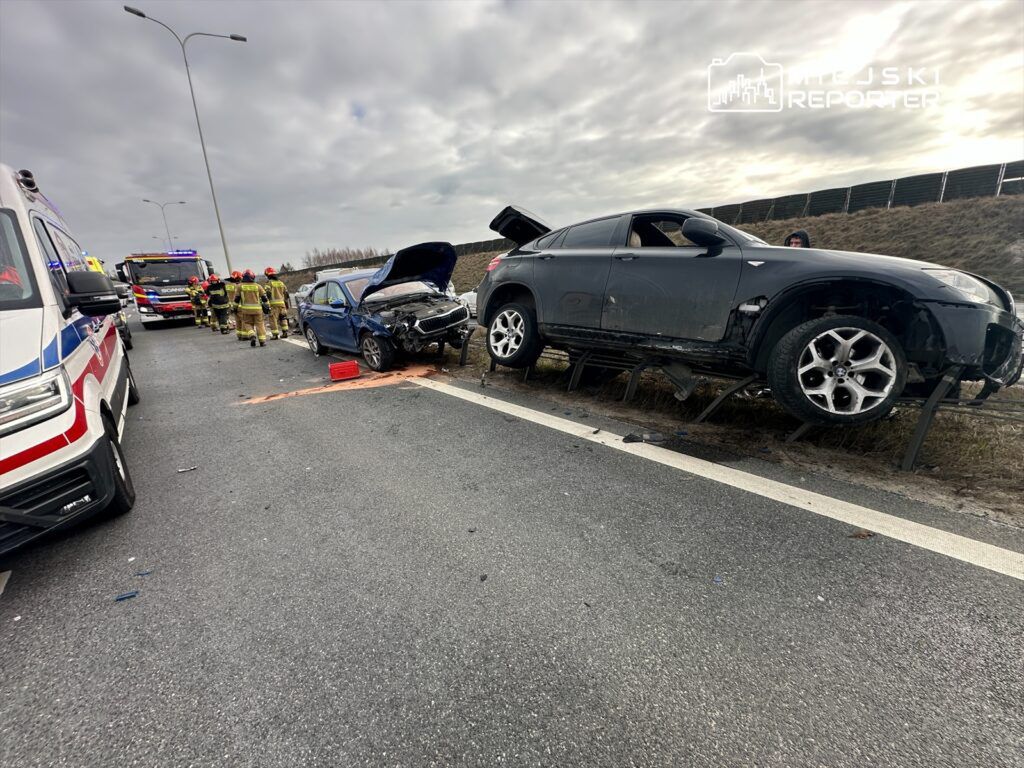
[494, 263]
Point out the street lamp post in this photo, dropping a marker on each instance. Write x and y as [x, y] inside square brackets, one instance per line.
[195, 108]
[164, 214]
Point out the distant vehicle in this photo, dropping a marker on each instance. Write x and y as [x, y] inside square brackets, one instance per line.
[64, 377]
[299, 295]
[469, 299]
[839, 336]
[158, 283]
[323, 274]
[401, 307]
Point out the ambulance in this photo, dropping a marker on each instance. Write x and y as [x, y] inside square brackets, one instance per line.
[65, 381]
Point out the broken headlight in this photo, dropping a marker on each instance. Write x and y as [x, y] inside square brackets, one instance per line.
[971, 288]
[27, 403]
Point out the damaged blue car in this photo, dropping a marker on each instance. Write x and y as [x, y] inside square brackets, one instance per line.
[402, 307]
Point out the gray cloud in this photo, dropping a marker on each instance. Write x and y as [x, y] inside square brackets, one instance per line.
[387, 123]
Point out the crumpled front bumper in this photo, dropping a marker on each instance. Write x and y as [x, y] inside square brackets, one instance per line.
[987, 340]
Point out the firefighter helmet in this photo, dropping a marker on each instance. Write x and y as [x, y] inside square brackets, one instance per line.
[193, 280]
[270, 272]
[236, 275]
[214, 278]
[248, 275]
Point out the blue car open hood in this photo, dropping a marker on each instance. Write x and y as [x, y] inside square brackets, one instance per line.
[430, 262]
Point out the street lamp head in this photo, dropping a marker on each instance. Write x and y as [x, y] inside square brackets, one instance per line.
[135, 12]
[239, 38]
[182, 202]
[146, 201]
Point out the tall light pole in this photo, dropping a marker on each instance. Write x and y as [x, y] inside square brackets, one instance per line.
[195, 108]
[164, 214]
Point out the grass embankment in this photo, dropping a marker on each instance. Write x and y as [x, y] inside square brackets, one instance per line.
[982, 235]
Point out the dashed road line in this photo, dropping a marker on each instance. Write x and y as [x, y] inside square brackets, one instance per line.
[993, 558]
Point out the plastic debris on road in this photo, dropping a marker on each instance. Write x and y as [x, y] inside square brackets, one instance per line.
[126, 596]
[187, 469]
[143, 573]
[483, 577]
[861, 534]
[718, 580]
[646, 437]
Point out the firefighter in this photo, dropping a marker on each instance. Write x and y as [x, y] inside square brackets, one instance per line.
[231, 288]
[198, 300]
[217, 298]
[251, 303]
[277, 296]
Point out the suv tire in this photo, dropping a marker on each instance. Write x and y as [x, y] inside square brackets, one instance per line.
[837, 370]
[512, 337]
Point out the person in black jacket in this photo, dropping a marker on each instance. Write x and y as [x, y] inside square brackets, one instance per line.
[798, 239]
[217, 298]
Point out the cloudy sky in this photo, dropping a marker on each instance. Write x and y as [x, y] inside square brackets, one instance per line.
[384, 124]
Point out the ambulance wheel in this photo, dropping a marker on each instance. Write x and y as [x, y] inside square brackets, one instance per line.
[133, 389]
[124, 491]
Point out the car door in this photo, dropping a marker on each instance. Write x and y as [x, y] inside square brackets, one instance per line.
[314, 313]
[338, 318]
[570, 278]
[661, 284]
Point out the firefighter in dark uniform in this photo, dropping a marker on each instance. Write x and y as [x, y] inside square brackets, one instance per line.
[251, 303]
[217, 298]
[277, 296]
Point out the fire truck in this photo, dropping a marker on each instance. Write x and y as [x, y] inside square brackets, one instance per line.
[158, 283]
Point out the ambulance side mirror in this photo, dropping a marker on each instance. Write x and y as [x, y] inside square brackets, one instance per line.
[92, 294]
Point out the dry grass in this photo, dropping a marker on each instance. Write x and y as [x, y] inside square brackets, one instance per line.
[968, 461]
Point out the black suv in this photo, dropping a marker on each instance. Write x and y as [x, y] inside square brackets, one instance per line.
[838, 336]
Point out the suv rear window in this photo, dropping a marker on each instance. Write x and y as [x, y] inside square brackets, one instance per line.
[593, 234]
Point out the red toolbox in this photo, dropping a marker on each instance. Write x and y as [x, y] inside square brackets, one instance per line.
[347, 369]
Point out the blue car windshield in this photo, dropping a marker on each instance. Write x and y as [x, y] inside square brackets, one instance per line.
[356, 288]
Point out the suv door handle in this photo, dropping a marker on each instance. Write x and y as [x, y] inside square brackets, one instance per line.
[627, 257]
[546, 257]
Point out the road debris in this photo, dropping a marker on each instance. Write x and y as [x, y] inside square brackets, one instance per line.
[471, 530]
[187, 469]
[821, 599]
[861, 534]
[483, 577]
[483, 379]
[126, 596]
[595, 431]
[143, 573]
[17, 618]
[719, 581]
[131, 559]
[646, 437]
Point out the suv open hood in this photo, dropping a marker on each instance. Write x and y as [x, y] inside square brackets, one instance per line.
[430, 262]
[519, 225]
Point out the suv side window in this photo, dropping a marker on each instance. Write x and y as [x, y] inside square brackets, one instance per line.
[593, 234]
[334, 293]
[58, 278]
[320, 294]
[658, 231]
[547, 240]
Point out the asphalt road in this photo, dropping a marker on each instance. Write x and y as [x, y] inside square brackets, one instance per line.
[395, 577]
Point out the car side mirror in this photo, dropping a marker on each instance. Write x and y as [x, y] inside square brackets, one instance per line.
[337, 304]
[704, 232]
[92, 294]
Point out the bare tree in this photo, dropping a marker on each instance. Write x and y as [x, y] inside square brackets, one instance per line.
[328, 256]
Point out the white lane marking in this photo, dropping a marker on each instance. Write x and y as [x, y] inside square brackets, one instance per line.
[3, 580]
[961, 548]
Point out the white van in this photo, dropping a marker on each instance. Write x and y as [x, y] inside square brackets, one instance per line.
[64, 375]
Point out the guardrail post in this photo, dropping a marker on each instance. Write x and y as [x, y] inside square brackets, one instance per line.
[999, 183]
[892, 192]
[942, 189]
